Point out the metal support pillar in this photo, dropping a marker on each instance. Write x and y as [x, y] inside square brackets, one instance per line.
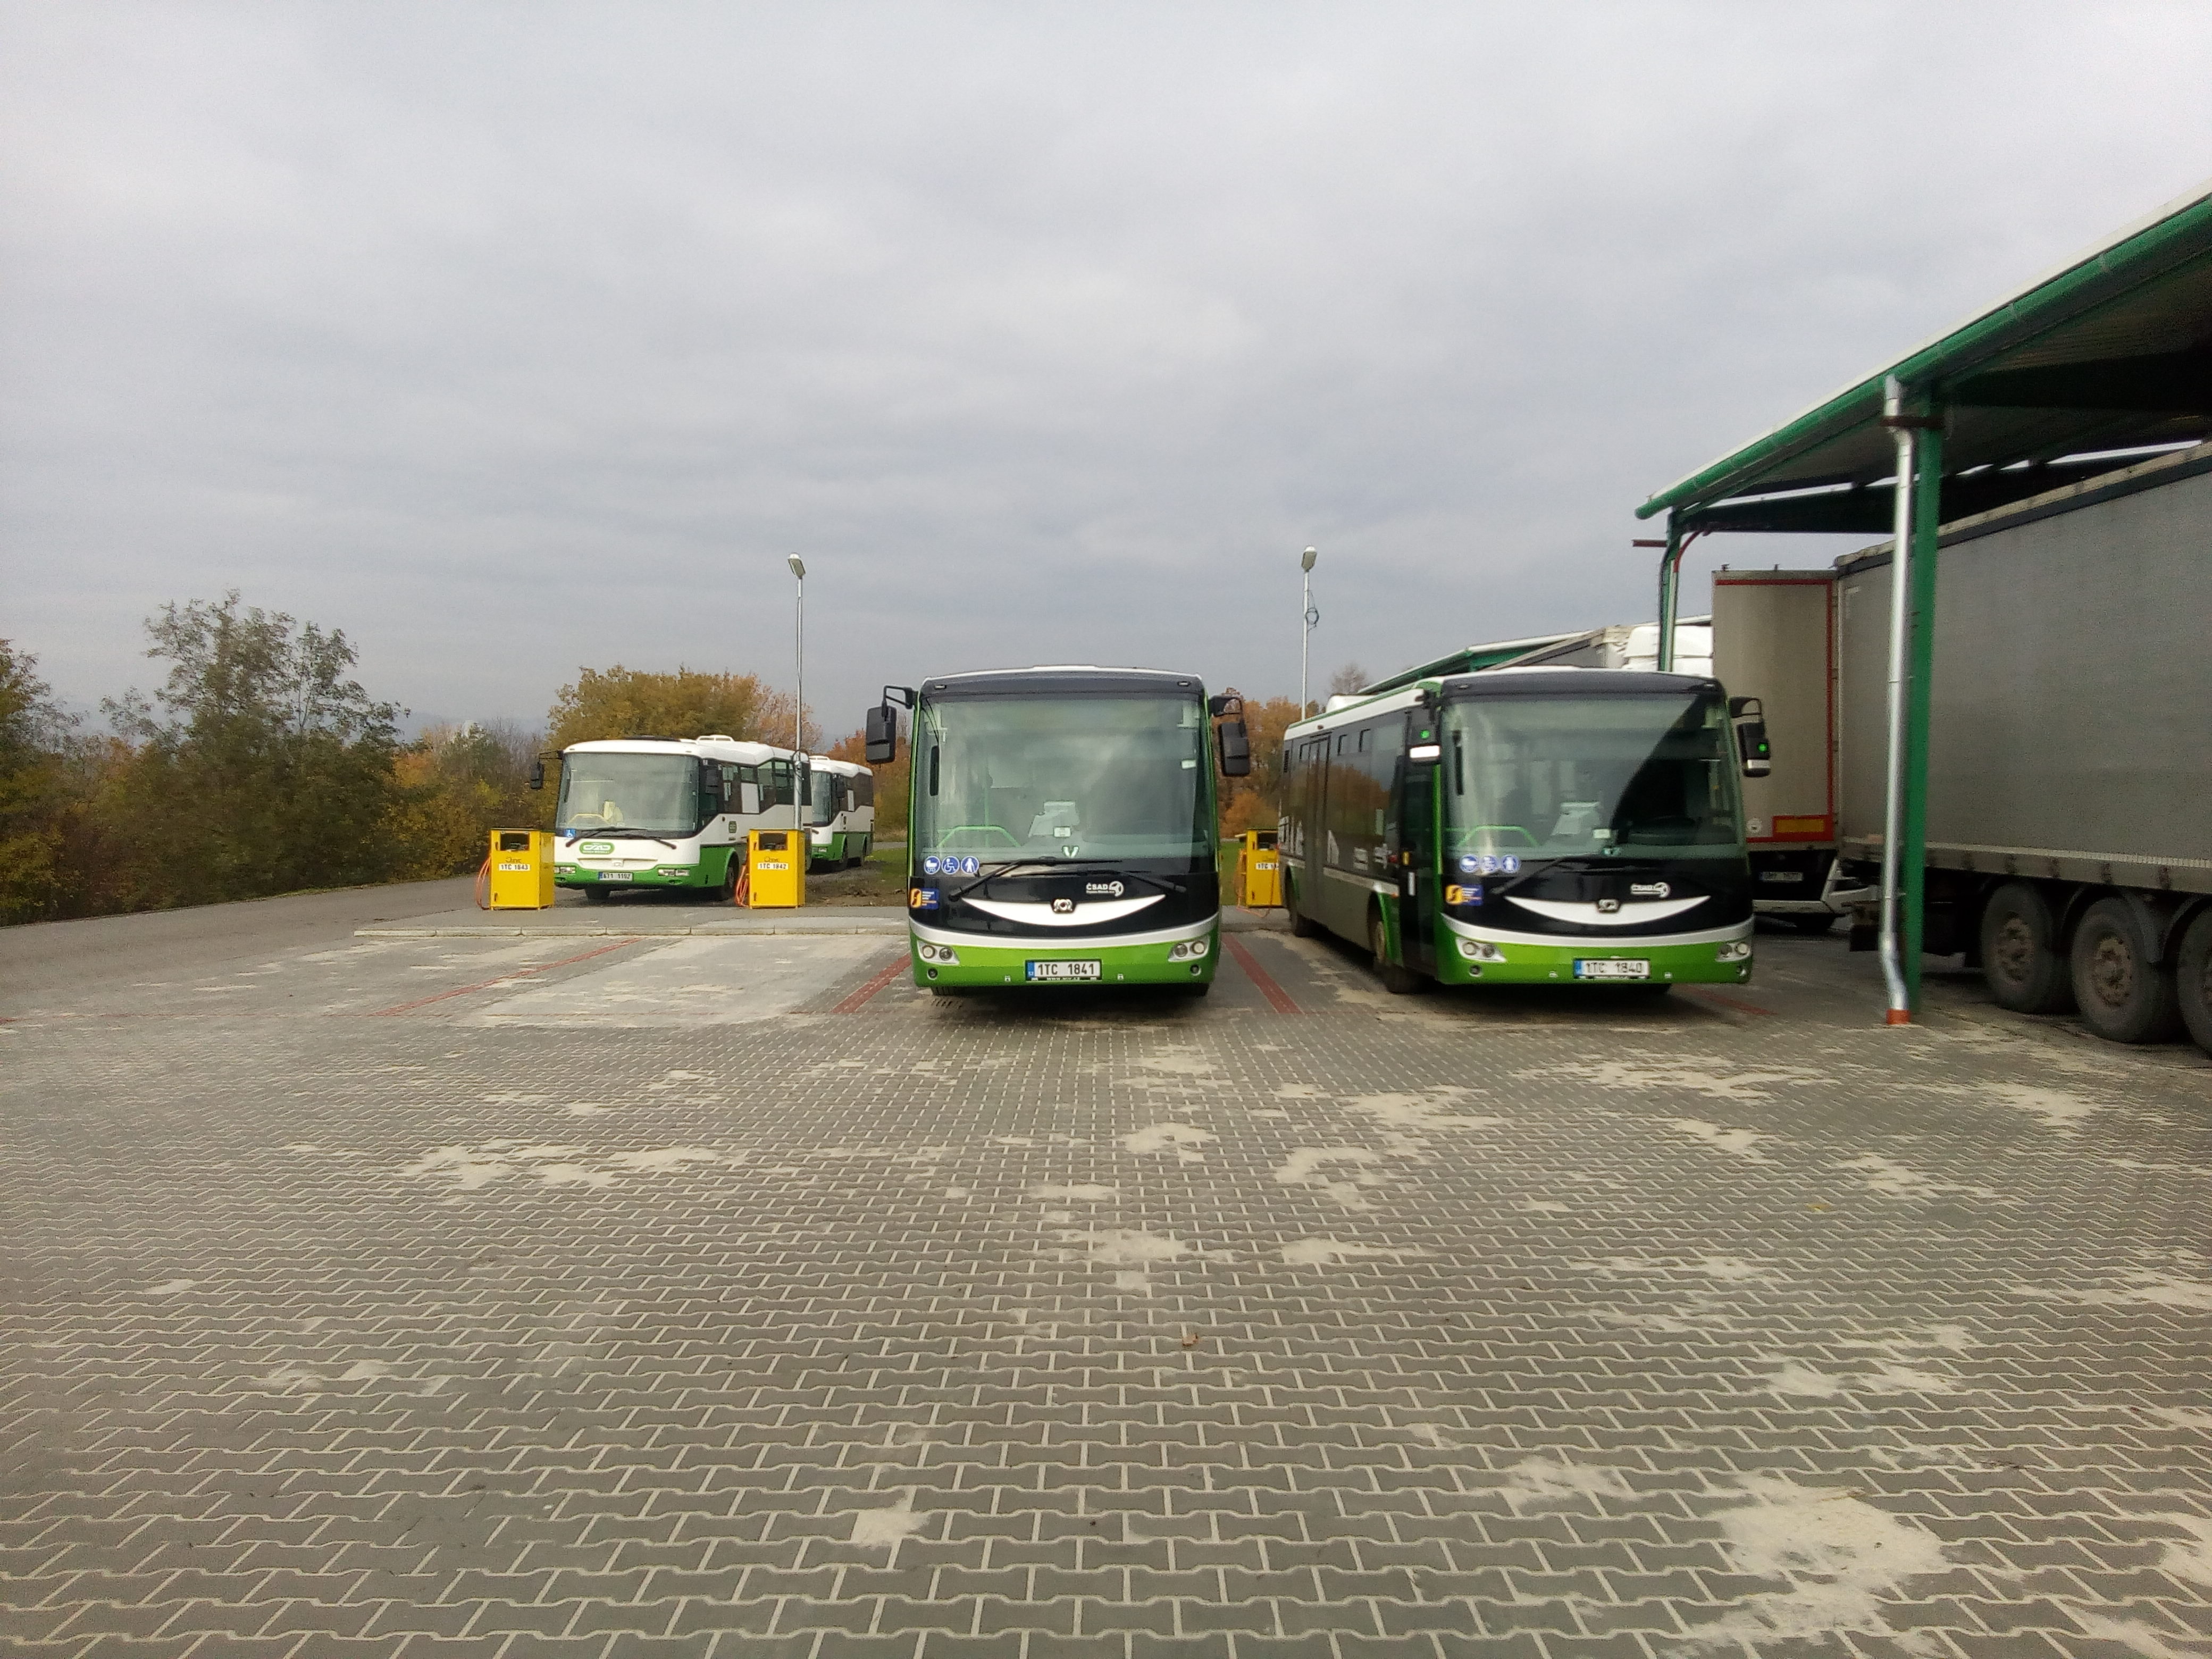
[1927, 515]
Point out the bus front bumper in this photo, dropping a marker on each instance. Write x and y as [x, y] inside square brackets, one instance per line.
[1184, 956]
[1481, 956]
[672, 875]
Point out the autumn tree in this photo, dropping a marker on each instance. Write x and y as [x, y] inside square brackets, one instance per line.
[630, 702]
[1254, 802]
[32, 781]
[1348, 679]
[457, 784]
[261, 766]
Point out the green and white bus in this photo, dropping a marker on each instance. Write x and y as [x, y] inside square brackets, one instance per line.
[1526, 826]
[662, 812]
[1062, 826]
[840, 814]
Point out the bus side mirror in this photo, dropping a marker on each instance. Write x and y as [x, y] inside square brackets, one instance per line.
[882, 735]
[1751, 745]
[537, 774]
[1236, 750]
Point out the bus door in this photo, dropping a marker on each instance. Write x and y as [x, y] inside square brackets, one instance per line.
[1412, 849]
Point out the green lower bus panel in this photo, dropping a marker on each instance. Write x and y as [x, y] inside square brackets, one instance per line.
[1593, 962]
[1048, 966]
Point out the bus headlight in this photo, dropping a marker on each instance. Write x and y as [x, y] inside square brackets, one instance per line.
[944, 955]
[1738, 950]
[1480, 950]
[1189, 951]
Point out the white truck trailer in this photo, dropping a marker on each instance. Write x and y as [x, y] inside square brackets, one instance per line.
[1773, 638]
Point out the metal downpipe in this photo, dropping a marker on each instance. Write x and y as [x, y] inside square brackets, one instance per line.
[1670, 588]
[1900, 634]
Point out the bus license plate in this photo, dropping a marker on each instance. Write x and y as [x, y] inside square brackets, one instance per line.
[614, 875]
[1066, 970]
[1612, 968]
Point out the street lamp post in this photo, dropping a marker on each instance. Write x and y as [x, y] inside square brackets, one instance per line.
[1305, 634]
[799, 780]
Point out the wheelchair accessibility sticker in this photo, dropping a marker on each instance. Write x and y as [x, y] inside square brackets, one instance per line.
[932, 865]
[1489, 864]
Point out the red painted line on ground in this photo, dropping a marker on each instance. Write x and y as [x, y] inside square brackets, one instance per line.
[1727, 1002]
[1277, 998]
[859, 999]
[520, 973]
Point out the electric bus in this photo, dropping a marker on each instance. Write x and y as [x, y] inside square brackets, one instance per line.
[1062, 826]
[841, 813]
[666, 813]
[1537, 826]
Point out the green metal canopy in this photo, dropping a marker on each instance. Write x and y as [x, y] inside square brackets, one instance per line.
[2112, 351]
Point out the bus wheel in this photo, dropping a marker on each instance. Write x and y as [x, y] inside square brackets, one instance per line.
[728, 891]
[1301, 925]
[598, 895]
[1813, 927]
[2122, 995]
[1397, 980]
[2193, 979]
[2020, 952]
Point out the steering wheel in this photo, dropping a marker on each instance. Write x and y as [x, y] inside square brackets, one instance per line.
[957, 830]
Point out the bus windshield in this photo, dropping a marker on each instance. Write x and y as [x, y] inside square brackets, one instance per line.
[602, 792]
[1553, 776]
[1053, 778]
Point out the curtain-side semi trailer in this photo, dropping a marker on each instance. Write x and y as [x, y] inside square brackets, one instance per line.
[2069, 775]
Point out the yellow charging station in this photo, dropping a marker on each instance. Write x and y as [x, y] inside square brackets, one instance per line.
[776, 860]
[1258, 871]
[521, 870]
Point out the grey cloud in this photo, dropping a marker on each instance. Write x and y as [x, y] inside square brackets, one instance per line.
[511, 339]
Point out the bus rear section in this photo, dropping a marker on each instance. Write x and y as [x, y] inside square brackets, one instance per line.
[840, 814]
[1062, 829]
[1525, 826]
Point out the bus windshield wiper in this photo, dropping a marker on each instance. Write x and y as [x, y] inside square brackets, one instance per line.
[990, 872]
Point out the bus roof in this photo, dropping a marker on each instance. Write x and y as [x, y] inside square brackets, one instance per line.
[1566, 680]
[1537, 681]
[1065, 679]
[709, 748]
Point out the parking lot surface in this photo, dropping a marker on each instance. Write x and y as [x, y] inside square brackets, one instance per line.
[611, 1295]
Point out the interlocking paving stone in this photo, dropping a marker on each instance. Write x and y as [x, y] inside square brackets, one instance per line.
[1434, 1326]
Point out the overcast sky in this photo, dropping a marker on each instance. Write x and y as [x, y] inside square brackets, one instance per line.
[512, 338]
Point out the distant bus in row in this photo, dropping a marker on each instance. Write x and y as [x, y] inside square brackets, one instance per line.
[674, 813]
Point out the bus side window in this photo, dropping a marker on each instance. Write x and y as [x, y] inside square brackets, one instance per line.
[865, 788]
[1459, 763]
[932, 768]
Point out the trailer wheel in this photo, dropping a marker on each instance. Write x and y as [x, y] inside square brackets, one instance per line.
[2122, 994]
[2019, 953]
[1397, 980]
[2192, 976]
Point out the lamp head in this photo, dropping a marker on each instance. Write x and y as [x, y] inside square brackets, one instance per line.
[798, 565]
[1306, 559]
